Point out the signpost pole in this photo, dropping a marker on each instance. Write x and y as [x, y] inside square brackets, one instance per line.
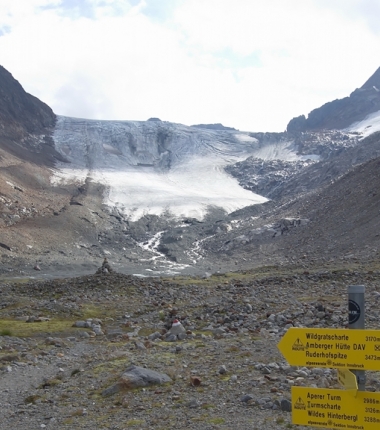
[356, 320]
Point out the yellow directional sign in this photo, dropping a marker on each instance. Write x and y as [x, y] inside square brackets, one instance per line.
[321, 407]
[348, 380]
[336, 348]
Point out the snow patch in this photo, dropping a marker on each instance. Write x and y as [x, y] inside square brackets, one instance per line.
[69, 175]
[370, 124]
[245, 138]
[185, 191]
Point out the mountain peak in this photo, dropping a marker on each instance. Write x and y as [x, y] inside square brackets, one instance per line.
[341, 113]
[373, 81]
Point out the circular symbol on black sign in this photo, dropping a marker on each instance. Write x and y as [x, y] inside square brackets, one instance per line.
[353, 312]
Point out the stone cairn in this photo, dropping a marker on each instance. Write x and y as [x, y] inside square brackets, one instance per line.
[105, 268]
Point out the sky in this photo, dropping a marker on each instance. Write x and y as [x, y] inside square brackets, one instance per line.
[248, 64]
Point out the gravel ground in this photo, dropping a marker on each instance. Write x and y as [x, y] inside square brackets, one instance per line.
[64, 341]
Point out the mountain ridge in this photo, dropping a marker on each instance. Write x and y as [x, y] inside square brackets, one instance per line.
[59, 204]
[26, 123]
[341, 113]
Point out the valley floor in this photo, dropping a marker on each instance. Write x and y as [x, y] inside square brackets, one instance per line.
[53, 372]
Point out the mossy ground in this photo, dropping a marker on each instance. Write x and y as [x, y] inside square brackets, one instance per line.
[12, 327]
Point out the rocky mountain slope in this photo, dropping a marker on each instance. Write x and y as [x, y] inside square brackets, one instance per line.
[341, 113]
[330, 224]
[83, 190]
[281, 180]
[26, 123]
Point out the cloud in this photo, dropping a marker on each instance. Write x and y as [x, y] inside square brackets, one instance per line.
[250, 65]
[159, 10]
[366, 11]
[13, 12]
[81, 97]
[94, 9]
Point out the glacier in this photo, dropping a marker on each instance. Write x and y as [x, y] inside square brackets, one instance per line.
[155, 167]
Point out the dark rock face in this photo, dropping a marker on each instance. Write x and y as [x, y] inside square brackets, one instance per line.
[25, 122]
[217, 126]
[16, 104]
[297, 124]
[264, 176]
[272, 177]
[154, 119]
[341, 113]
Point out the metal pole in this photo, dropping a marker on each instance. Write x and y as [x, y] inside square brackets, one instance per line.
[356, 320]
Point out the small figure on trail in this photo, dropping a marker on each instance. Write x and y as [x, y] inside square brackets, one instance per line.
[36, 266]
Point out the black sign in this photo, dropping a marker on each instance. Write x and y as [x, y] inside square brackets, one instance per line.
[353, 312]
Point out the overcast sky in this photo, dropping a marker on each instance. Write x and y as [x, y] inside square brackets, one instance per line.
[249, 64]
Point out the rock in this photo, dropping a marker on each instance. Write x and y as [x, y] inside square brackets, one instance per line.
[177, 328]
[171, 338]
[246, 398]
[84, 334]
[248, 308]
[219, 331]
[223, 369]
[105, 269]
[286, 405]
[154, 336]
[137, 377]
[323, 383]
[192, 404]
[234, 378]
[195, 381]
[80, 324]
[112, 334]
[297, 124]
[140, 346]
[96, 328]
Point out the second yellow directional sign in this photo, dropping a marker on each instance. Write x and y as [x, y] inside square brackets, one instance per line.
[336, 348]
[321, 407]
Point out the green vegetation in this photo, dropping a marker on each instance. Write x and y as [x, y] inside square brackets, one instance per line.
[31, 399]
[92, 311]
[10, 327]
[146, 331]
[134, 423]
[216, 421]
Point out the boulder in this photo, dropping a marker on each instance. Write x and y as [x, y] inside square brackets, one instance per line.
[177, 328]
[136, 377]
